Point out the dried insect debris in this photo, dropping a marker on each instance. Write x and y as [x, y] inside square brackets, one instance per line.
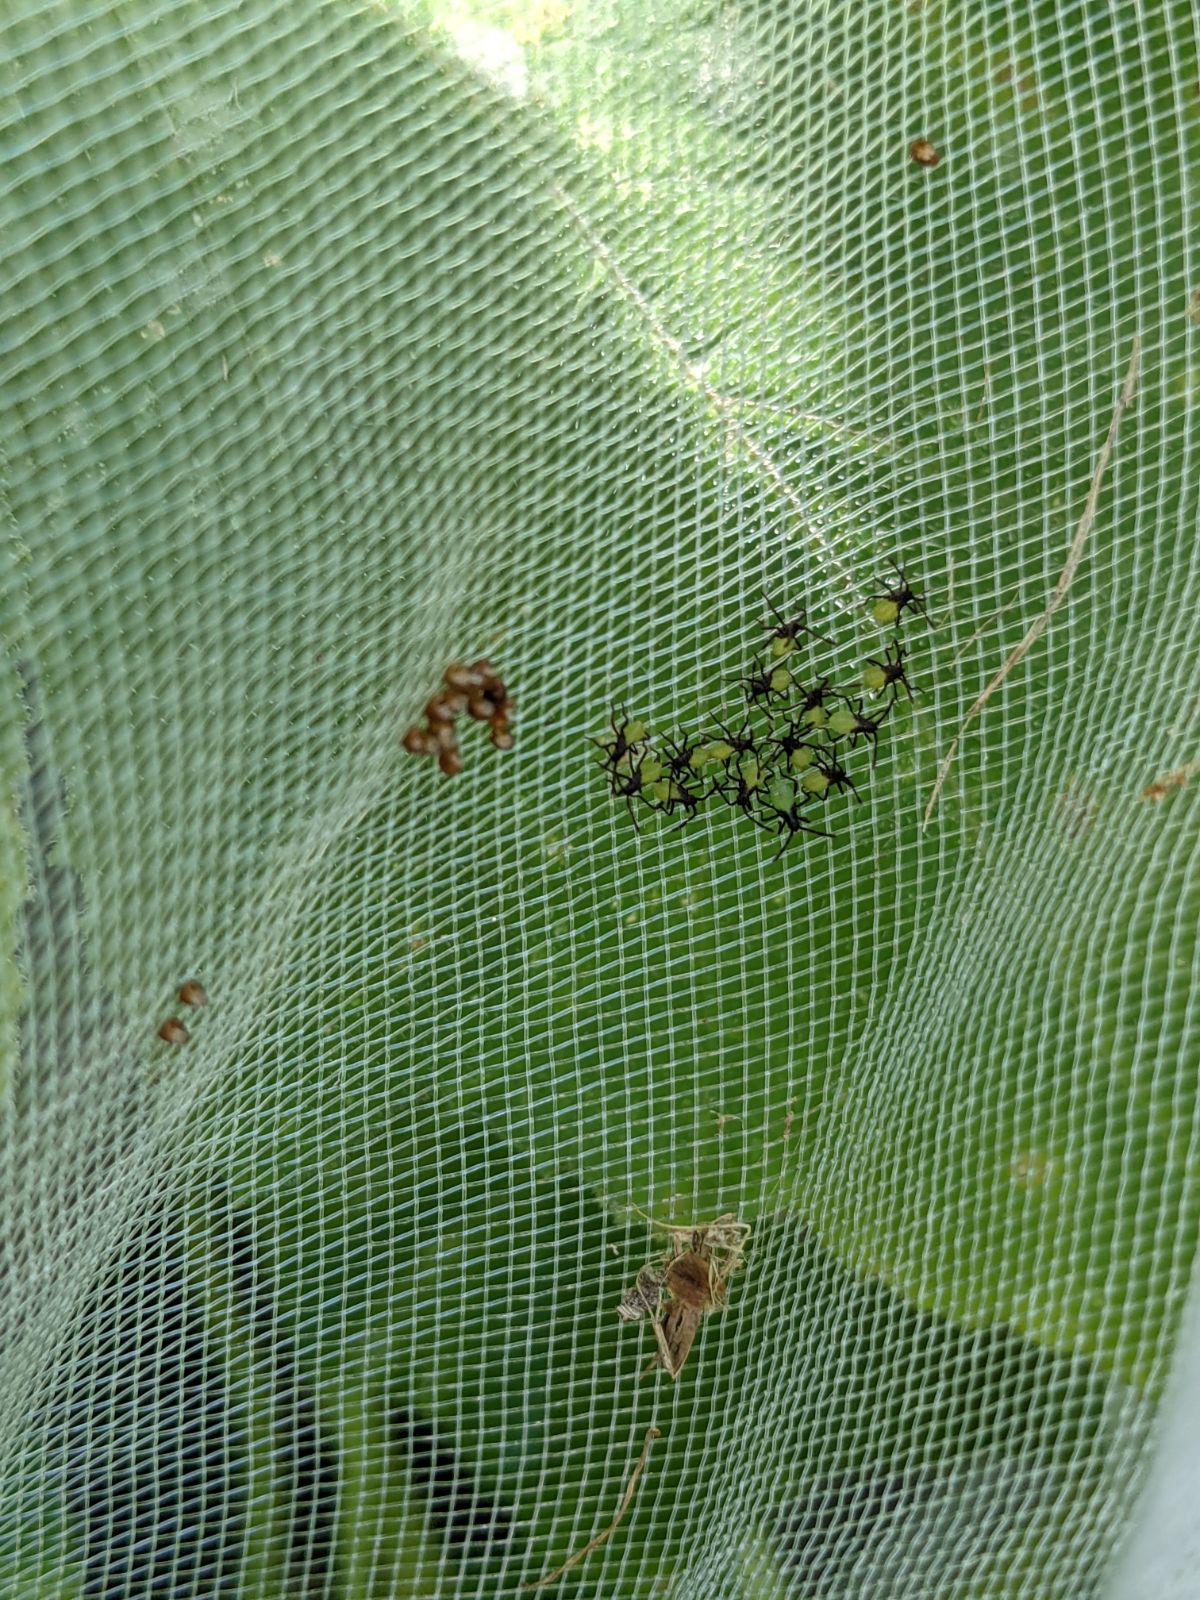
[678, 1289]
[1170, 781]
[475, 690]
[644, 1298]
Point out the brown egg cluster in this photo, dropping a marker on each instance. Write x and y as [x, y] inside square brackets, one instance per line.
[475, 690]
[193, 994]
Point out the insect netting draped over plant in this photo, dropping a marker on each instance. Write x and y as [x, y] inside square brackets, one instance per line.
[749, 996]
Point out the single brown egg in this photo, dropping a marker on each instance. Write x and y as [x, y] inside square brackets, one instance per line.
[419, 742]
[480, 708]
[463, 680]
[441, 709]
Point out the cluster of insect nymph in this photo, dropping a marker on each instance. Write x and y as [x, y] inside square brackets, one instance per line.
[677, 1289]
[790, 756]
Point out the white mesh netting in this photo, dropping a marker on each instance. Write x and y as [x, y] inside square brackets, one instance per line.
[344, 341]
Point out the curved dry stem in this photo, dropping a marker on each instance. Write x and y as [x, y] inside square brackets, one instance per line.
[1040, 623]
[594, 1544]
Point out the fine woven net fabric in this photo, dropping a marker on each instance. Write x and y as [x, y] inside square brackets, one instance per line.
[344, 341]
